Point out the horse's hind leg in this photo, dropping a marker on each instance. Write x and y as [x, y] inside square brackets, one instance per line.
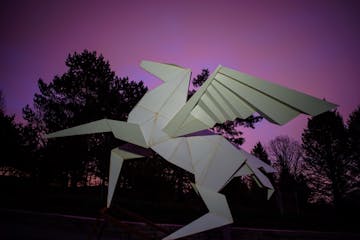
[218, 215]
[214, 162]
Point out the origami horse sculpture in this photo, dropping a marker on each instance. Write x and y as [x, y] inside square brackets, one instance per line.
[164, 121]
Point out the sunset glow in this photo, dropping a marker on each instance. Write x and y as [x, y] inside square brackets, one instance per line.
[311, 46]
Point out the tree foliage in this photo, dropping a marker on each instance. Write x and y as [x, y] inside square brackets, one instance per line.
[88, 91]
[260, 152]
[10, 144]
[15, 157]
[286, 156]
[201, 78]
[2, 103]
[354, 138]
[326, 146]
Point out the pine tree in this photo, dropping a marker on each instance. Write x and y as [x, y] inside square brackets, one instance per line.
[325, 143]
[89, 90]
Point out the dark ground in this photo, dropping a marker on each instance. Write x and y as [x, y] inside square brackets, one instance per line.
[28, 211]
[19, 224]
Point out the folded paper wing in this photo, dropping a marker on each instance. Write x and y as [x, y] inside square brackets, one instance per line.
[229, 94]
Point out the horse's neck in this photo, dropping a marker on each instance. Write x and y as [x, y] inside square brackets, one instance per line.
[165, 101]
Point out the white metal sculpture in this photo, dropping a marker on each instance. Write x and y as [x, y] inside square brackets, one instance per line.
[163, 120]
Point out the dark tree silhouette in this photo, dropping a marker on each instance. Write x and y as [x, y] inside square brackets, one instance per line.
[11, 143]
[286, 156]
[260, 152]
[230, 129]
[2, 103]
[354, 138]
[88, 91]
[327, 159]
[201, 78]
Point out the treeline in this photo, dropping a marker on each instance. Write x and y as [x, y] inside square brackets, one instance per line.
[322, 169]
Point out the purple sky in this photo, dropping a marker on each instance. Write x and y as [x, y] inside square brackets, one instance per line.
[311, 46]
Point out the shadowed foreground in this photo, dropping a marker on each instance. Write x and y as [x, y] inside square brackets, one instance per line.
[15, 224]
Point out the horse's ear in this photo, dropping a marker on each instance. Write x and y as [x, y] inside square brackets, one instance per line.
[165, 72]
